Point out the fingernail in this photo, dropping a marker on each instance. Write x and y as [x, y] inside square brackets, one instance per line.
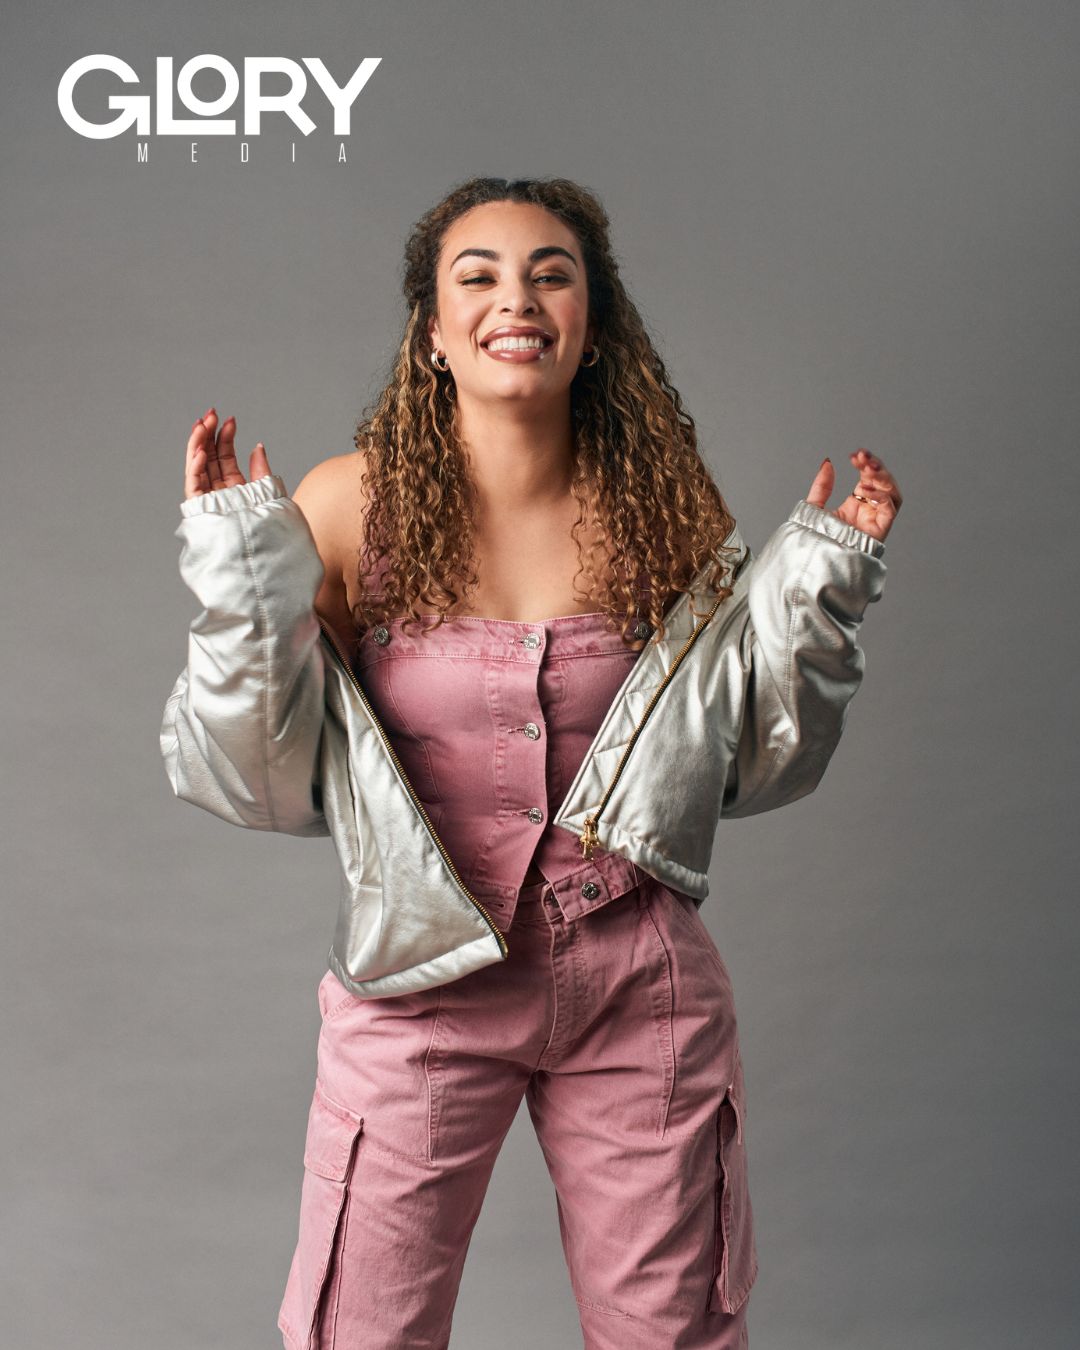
[825, 461]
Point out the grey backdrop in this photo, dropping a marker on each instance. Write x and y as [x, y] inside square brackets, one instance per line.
[846, 224]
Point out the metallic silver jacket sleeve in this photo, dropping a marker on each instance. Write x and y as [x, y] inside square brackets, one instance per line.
[808, 591]
[241, 731]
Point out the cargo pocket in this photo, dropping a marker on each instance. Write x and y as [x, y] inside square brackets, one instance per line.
[309, 1307]
[735, 1264]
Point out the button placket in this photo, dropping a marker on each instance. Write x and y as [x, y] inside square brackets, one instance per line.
[532, 776]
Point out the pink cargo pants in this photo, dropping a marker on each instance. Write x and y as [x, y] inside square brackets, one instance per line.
[618, 1026]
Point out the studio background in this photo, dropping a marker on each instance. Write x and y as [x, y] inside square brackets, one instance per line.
[846, 224]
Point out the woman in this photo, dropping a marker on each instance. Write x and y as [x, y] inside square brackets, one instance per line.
[528, 437]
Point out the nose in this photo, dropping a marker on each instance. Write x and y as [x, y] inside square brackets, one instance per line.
[517, 299]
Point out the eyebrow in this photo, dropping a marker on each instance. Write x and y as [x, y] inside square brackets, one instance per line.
[550, 250]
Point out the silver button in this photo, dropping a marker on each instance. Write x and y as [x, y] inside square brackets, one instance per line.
[531, 640]
[381, 635]
[532, 731]
[535, 815]
[590, 890]
[642, 629]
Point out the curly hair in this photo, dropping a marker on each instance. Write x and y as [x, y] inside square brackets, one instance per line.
[655, 503]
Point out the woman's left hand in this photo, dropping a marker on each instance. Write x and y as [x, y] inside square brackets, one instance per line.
[876, 484]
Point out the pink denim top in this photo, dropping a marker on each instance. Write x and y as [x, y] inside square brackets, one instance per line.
[491, 719]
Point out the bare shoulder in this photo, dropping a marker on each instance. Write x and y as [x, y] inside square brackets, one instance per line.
[331, 498]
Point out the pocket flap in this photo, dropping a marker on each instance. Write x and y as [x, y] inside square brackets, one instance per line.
[331, 1134]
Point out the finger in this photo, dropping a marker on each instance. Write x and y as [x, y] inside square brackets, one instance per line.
[823, 484]
[258, 466]
[209, 420]
[870, 467]
[881, 489]
[231, 472]
[196, 480]
[874, 478]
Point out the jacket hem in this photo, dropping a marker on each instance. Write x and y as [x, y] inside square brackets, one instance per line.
[451, 965]
[615, 840]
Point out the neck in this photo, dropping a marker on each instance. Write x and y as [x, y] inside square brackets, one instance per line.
[519, 457]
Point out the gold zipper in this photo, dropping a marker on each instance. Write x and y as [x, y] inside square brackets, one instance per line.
[589, 836]
[404, 778]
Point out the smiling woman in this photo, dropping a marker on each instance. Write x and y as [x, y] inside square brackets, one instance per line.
[515, 658]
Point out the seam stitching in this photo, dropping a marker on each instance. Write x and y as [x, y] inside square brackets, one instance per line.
[264, 641]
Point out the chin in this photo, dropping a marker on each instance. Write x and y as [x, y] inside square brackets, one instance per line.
[517, 387]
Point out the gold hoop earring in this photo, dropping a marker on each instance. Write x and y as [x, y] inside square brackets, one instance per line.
[435, 362]
[595, 356]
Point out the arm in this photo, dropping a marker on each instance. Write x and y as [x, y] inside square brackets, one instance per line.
[807, 594]
[242, 727]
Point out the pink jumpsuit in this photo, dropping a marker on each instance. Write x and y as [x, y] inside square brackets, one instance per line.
[613, 1015]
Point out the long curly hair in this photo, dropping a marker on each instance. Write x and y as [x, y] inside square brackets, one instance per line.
[653, 498]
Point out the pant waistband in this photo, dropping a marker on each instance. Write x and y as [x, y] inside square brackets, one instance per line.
[584, 889]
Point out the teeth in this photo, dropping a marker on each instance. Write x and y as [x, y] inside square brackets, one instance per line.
[512, 344]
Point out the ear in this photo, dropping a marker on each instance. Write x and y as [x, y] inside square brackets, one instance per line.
[433, 332]
[590, 337]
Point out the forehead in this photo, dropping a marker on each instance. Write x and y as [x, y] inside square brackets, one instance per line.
[507, 227]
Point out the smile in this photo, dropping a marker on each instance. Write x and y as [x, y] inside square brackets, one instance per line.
[517, 349]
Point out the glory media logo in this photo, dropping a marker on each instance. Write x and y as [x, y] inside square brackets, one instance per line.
[134, 109]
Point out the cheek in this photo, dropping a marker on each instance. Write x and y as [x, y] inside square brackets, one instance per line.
[574, 315]
[461, 319]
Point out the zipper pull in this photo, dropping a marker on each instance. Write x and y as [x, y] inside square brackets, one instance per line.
[589, 837]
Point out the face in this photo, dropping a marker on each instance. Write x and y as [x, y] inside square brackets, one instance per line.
[511, 266]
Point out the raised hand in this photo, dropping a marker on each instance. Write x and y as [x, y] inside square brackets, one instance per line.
[211, 456]
[873, 502]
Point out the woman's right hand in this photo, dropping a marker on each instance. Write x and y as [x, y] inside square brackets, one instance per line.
[211, 457]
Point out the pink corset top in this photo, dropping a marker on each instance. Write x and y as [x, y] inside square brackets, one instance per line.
[491, 719]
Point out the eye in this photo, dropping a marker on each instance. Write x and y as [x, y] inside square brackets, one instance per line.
[546, 276]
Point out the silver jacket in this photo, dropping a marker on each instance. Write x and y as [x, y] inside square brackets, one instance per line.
[734, 712]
